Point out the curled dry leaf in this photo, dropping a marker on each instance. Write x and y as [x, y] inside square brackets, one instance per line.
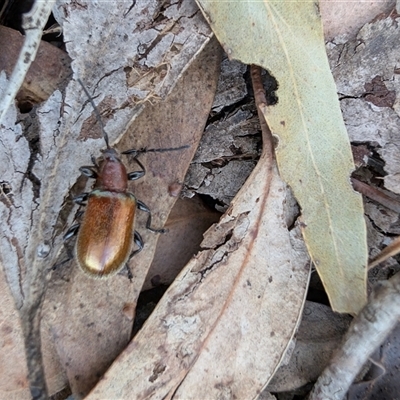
[107, 42]
[223, 326]
[313, 153]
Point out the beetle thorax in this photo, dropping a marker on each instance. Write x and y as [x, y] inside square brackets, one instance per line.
[112, 173]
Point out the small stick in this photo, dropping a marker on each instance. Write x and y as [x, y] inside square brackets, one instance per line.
[375, 194]
[389, 251]
[367, 331]
[33, 24]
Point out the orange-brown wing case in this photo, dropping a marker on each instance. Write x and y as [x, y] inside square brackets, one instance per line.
[105, 237]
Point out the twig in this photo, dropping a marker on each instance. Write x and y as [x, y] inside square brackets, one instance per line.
[367, 331]
[375, 194]
[33, 24]
[382, 198]
[389, 251]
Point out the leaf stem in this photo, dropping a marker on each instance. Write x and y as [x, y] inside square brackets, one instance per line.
[261, 101]
[30, 321]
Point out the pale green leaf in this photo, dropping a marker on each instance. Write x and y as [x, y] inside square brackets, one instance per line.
[314, 156]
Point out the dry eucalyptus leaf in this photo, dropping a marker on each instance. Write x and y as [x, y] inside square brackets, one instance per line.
[224, 325]
[142, 48]
[13, 382]
[39, 195]
[343, 19]
[39, 167]
[86, 318]
[187, 222]
[313, 153]
[319, 334]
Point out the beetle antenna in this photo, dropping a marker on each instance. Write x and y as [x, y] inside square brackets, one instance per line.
[145, 150]
[163, 150]
[96, 111]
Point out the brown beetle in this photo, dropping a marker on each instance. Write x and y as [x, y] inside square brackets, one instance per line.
[107, 232]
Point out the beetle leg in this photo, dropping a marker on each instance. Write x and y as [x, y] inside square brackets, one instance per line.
[136, 152]
[89, 170]
[81, 199]
[71, 232]
[79, 213]
[139, 243]
[133, 176]
[142, 207]
[129, 272]
[93, 158]
[70, 256]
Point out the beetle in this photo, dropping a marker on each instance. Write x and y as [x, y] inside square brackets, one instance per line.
[106, 234]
